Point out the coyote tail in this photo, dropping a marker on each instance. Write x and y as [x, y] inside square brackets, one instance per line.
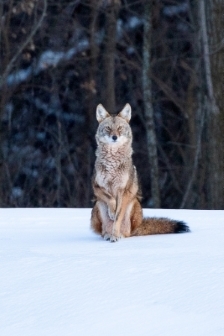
[151, 226]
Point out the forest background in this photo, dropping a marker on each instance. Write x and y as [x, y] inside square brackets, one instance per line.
[59, 59]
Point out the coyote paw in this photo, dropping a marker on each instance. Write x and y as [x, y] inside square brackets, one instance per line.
[112, 209]
[114, 239]
[111, 214]
[111, 237]
[106, 236]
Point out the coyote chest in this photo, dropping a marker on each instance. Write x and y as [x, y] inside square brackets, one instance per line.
[112, 174]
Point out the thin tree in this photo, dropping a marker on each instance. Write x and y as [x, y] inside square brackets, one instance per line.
[109, 54]
[212, 27]
[148, 106]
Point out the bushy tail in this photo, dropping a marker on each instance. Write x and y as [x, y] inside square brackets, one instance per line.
[152, 226]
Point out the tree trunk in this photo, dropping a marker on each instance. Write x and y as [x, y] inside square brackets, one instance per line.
[148, 108]
[212, 27]
[91, 98]
[196, 119]
[109, 58]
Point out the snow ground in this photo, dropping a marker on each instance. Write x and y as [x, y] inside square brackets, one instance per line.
[58, 278]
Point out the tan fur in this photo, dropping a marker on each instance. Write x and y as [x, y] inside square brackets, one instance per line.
[117, 212]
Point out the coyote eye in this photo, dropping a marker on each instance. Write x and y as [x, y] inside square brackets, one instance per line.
[119, 129]
[108, 129]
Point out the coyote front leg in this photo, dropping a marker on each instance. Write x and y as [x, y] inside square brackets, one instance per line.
[105, 196]
[123, 200]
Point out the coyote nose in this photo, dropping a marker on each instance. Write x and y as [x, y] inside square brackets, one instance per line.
[114, 137]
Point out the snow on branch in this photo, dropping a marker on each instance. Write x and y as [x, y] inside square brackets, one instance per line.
[50, 58]
[176, 9]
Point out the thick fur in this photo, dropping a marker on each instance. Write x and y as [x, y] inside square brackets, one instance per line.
[117, 212]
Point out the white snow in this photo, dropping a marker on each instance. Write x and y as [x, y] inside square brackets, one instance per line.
[52, 58]
[48, 58]
[19, 76]
[176, 9]
[58, 278]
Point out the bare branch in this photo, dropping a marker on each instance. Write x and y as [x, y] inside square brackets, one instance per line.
[206, 56]
[24, 44]
[219, 46]
[195, 164]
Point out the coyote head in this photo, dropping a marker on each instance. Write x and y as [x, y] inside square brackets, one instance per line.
[113, 130]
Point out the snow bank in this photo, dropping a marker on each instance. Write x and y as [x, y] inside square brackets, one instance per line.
[58, 278]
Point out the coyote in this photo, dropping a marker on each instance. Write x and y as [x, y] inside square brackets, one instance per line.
[117, 212]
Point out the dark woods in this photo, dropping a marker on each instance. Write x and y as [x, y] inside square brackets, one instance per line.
[59, 59]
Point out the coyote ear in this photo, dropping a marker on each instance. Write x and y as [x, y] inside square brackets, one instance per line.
[126, 113]
[101, 113]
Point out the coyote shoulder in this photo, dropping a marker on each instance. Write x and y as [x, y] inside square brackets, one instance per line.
[117, 212]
